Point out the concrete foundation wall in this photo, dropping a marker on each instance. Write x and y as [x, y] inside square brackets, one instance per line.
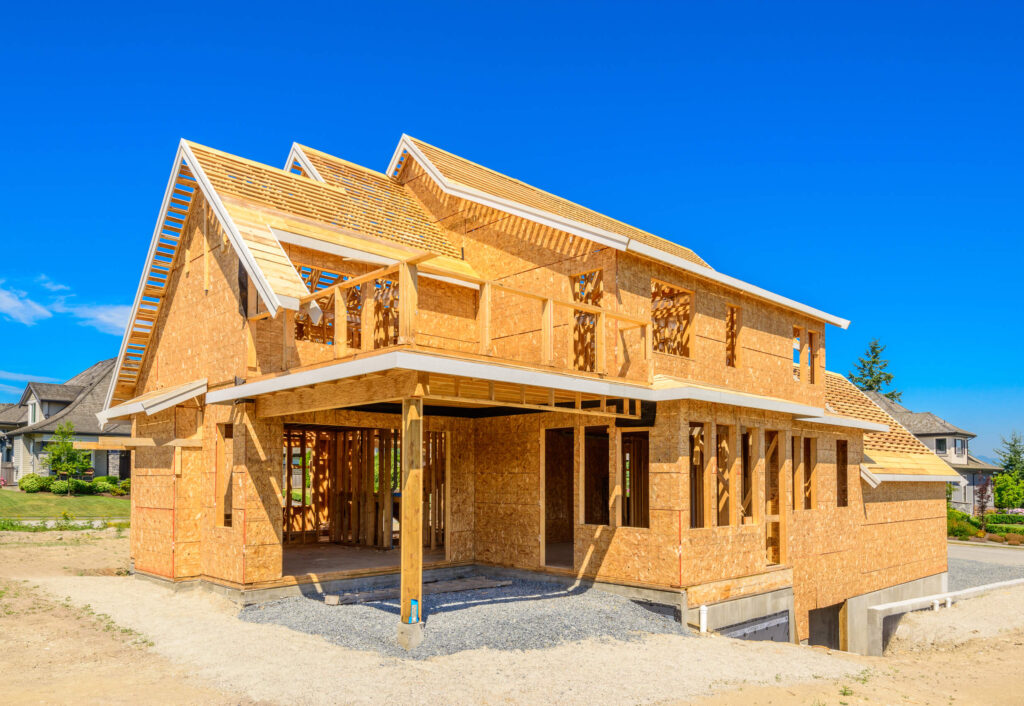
[858, 629]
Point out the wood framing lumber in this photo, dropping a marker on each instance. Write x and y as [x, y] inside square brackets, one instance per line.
[411, 542]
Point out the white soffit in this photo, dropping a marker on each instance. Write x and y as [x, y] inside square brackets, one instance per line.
[848, 422]
[348, 253]
[154, 402]
[598, 235]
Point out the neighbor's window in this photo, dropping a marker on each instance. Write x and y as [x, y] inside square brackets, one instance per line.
[32, 413]
[732, 334]
[959, 445]
[671, 316]
[842, 475]
[940, 446]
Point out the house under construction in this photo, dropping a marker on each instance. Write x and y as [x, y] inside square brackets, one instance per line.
[336, 373]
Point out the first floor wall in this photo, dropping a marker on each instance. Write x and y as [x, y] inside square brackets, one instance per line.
[816, 528]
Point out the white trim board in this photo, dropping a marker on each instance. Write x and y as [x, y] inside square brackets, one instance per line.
[156, 403]
[297, 155]
[423, 362]
[598, 235]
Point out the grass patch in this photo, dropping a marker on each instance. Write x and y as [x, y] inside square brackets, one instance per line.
[15, 505]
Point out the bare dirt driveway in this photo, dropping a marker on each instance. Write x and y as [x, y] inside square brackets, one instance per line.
[75, 631]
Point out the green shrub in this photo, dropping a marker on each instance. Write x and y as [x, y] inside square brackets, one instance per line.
[126, 485]
[102, 487]
[59, 487]
[81, 487]
[31, 483]
[1001, 519]
[47, 482]
[1006, 529]
[959, 529]
[116, 490]
[109, 480]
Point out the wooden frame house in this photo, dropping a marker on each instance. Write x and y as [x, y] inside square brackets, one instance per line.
[333, 373]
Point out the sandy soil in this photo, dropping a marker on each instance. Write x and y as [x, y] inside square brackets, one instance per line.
[75, 636]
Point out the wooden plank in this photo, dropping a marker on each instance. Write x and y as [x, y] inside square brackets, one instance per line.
[484, 318]
[412, 509]
[408, 302]
[547, 331]
[393, 385]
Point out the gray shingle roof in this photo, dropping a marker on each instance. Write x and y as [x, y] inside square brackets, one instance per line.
[49, 392]
[91, 385]
[975, 464]
[917, 423]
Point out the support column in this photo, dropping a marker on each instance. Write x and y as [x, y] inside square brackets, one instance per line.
[410, 630]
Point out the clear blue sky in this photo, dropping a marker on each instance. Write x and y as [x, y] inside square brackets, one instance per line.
[864, 158]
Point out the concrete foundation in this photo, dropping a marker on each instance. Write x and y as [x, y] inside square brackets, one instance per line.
[861, 634]
[410, 635]
[732, 612]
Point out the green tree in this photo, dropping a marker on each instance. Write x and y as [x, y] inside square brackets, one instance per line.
[1011, 455]
[61, 454]
[871, 374]
[1008, 491]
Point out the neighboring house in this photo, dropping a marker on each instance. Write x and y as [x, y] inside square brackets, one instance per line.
[26, 428]
[326, 359]
[950, 443]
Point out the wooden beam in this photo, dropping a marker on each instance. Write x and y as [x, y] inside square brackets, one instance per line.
[408, 302]
[342, 393]
[484, 318]
[546, 331]
[412, 511]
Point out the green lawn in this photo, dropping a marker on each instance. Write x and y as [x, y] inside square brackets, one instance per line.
[17, 505]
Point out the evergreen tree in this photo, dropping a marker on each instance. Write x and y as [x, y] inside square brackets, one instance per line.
[1011, 455]
[871, 374]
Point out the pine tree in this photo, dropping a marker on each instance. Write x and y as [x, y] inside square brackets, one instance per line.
[871, 374]
[1011, 455]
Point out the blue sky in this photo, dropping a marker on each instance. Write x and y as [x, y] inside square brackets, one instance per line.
[864, 158]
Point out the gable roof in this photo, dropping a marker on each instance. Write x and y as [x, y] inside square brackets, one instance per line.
[12, 414]
[82, 408]
[918, 423]
[466, 180]
[50, 392]
[891, 455]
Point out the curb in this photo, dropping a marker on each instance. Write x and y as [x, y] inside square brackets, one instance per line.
[986, 544]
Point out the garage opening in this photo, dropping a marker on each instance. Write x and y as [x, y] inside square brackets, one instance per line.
[558, 495]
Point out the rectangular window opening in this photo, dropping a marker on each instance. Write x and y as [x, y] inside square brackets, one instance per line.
[596, 476]
[587, 288]
[733, 323]
[636, 480]
[697, 518]
[798, 337]
[795, 470]
[671, 318]
[842, 475]
[723, 474]
[224, 468]
[746, 489]
[812, 357]
[940, 446]
[809, 463]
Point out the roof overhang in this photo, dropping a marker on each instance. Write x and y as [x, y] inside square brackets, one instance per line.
[603, 237]
[443, 365]
[153, 402]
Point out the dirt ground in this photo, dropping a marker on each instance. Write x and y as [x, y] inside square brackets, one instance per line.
[74, 629]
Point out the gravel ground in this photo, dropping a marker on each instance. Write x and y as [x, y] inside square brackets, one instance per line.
[964, 573]
[522, 616]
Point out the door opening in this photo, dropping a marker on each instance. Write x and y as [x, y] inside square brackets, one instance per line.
[558, 498]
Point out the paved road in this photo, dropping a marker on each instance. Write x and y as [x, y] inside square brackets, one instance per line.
[1007, 556]
[978, 564]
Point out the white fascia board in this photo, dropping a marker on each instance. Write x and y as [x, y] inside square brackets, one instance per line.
[868, 477]
[157, 403]
[297, 155]
[736, 399]
[598, 235]
[421, 362]
[911, 478]
[263, 287]
[754, 290]
[184, 154]
[848, 422]
[348, 253]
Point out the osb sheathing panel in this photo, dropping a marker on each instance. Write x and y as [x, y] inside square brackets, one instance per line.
[765, 342]
[192, 336]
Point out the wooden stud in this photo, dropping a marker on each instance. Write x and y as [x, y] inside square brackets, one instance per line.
[412, 509]
[408, 303]
[484, 318]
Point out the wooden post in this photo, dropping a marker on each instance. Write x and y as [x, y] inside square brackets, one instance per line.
[412, 509]
[340, 324]
[484, 318]
[408, 302]
[542, 494]
[710, 474]
[287, 339]
[546, 331]
[615, 469]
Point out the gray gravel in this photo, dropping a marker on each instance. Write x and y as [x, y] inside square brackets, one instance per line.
[964, 573]
[524, 615]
